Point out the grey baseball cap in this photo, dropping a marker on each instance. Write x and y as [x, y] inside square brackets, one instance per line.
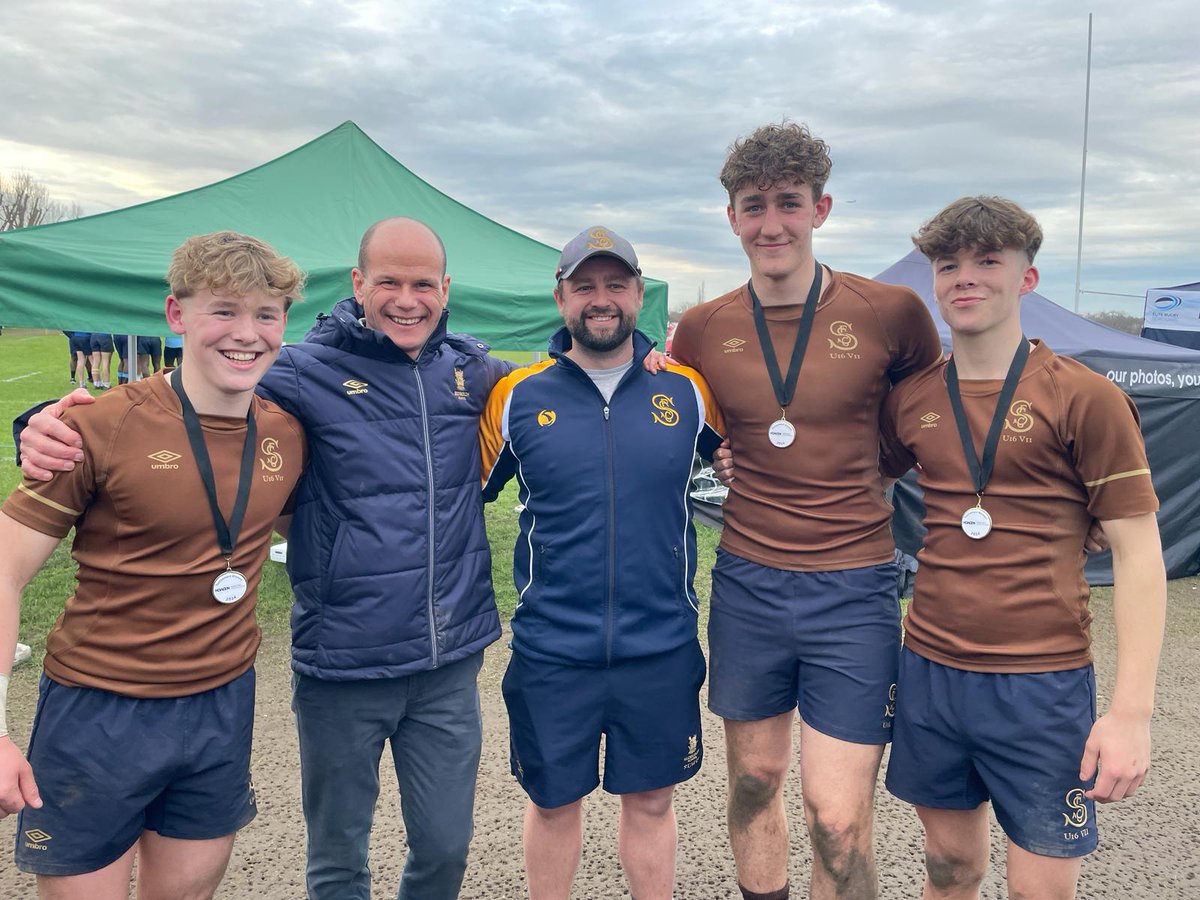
[596, 241]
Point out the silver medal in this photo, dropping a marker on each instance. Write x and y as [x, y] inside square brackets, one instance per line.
[782, 433]
[976, 523]
[229, 587]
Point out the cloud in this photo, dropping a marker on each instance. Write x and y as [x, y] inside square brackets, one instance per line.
[552, 116]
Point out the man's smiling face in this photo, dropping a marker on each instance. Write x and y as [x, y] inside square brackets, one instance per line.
[403, 288]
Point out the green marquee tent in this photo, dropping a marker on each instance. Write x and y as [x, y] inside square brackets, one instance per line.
[105, 272]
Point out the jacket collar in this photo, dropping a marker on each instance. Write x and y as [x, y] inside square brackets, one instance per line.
[344, 327]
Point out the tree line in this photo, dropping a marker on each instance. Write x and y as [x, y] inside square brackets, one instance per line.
[25, 202]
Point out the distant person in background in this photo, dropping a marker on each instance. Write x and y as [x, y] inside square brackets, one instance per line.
[149, 355]
[172, 351]
[121, 345]
[71, 357]
[102, 351]
[81, 351]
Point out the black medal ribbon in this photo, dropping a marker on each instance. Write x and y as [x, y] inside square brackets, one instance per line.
[786, 389]
[227, 533]
[981, 469]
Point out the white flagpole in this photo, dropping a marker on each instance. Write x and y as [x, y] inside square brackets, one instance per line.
[1087, 95]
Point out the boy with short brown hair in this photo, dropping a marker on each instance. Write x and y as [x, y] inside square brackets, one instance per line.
[1019, 451]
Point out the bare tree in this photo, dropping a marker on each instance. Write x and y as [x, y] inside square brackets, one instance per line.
[1121, 321]
[25, 201]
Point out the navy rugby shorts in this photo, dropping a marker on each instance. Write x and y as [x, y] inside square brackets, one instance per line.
[647, 709]
[824, 643]
[109, 767]
[101, 343]
[962, 738]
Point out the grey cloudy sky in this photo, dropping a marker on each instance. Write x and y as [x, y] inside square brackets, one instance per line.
[552, 116]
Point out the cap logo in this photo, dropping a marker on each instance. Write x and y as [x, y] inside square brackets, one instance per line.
[599, 239]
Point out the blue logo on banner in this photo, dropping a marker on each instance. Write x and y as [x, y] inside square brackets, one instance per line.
[1165, 303]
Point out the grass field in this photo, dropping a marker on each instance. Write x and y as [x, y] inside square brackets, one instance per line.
[33, 367]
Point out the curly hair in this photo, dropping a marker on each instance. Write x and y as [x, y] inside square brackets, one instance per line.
[979, 223]
[233, 263]
[774, 154]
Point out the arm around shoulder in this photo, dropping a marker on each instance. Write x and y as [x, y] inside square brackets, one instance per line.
[47, 444]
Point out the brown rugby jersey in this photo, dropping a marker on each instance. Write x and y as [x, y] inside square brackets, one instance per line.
[143, 621]
[1070, 450]
[817, 505]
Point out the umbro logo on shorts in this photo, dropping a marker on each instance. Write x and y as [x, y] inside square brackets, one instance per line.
[35, 839]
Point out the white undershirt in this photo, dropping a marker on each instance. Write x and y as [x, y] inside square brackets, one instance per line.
[606, 380]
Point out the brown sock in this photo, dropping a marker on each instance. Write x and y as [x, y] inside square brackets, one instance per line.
[781, 894]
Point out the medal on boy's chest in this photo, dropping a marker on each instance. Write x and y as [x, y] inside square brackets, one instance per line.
[976, 522]
[231, 585]
[781, 432]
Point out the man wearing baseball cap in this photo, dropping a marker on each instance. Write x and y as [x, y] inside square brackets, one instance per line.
[604, 634]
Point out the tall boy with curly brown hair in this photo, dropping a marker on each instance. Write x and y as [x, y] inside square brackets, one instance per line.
[805, 615]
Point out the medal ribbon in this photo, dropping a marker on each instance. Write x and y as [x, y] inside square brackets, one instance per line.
[227, 533]
[785, 390]
[981, 470]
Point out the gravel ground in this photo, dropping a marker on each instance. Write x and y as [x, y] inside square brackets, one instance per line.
[1149, 845]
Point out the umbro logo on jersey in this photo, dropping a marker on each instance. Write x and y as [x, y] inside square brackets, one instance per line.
[354, 387]
[733, 345]
[930, 419]
[164, 459]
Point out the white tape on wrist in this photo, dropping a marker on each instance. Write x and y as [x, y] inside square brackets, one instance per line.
[3, 705]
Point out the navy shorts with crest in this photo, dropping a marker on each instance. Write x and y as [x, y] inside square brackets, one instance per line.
[825, 643]
[109, 767]
[963, 738]
[647, 709]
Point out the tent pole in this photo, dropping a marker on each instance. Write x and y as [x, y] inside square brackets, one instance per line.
[131, 366]
[1087, 95]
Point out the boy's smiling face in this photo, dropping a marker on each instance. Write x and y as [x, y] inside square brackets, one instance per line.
[231, 341]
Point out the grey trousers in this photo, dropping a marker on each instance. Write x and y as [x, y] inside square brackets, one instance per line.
[432, 721]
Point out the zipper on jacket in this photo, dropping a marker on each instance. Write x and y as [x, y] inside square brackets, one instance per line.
[610, 613]
[433, 638]
[610, 604]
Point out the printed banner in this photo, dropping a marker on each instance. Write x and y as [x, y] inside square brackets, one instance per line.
[1172, 310]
